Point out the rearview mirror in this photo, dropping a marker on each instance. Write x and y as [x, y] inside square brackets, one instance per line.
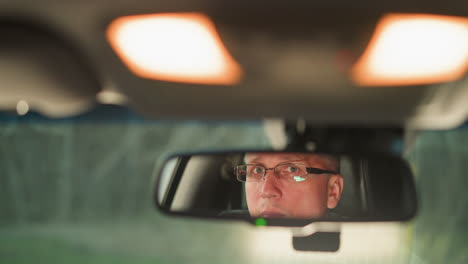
[287, 188]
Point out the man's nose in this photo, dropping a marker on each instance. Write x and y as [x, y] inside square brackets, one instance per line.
[270, 186]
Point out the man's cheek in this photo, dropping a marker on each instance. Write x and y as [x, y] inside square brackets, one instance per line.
[250, 197]
[249, 191]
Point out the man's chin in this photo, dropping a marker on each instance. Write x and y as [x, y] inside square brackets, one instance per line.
[272, 214]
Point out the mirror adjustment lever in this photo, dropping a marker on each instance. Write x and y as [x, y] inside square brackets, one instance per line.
[319, 236]
[319, 241]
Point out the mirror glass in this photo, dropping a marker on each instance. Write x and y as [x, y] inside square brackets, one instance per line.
[288, 185]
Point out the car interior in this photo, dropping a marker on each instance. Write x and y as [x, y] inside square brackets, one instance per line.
[121, 123]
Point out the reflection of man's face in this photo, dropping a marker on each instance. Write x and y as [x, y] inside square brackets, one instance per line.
[274, 197]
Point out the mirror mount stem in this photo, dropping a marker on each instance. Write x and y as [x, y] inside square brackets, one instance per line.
[303, 136]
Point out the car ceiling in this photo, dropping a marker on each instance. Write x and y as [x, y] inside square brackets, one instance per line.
[271, 89]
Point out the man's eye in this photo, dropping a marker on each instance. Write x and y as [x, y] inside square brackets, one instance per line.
[292, 169]
[257, 170]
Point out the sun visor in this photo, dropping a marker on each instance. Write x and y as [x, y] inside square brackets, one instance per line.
[43, 73]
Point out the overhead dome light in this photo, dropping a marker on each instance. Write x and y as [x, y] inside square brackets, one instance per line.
[414, 49]
[174, 47]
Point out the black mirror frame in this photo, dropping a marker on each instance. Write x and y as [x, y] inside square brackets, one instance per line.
[287, 222]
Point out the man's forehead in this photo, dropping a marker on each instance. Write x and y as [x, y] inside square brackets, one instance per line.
[262, 157]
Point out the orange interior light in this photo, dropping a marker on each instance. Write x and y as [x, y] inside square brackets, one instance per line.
[414, 49]
[175, 47]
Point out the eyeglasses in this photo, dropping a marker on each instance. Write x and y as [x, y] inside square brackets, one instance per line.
[291, 172]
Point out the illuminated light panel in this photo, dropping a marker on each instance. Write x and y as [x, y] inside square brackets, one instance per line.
[175, 47]
[379, 242]
[414, 49]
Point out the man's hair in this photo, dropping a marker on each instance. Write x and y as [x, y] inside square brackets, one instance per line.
[334, 162]
[331, 162]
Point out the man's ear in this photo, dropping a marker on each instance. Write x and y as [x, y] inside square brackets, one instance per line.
[335, 188]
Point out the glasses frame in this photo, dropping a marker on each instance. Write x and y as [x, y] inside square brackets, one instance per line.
[309, 170]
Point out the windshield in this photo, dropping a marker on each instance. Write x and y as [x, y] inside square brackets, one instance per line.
[80, 191]
[440, 162]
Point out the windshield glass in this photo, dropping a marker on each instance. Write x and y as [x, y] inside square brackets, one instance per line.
[440, 163]
[80, 191]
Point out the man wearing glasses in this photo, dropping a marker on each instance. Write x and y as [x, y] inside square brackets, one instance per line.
[292, 185]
